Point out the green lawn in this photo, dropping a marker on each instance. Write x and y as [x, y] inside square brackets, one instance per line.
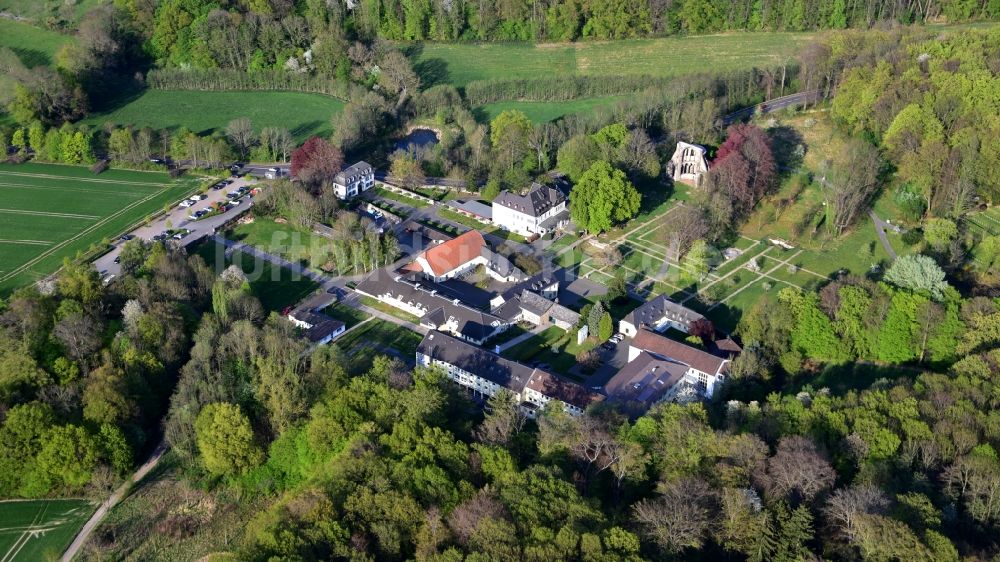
[400, 198]
[462, 63]
[39, 10]
[554, 347]
[39, 529]
[378, 337]
[33, 45]
[304, 115]
[544, 111]
[389, 309]
[291, 242]
[276, 287]
[52, 212]
[480, 226]
[349, 316]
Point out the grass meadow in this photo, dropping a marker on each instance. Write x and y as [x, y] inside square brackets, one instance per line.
[544, 111]
[34, 46]
[304, 115]
[459, 64]
[51, 212]
[39, 529]
[276, 287]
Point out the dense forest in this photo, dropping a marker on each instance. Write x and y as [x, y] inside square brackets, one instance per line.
[859, 423]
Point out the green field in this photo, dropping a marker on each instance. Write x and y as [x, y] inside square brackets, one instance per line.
[39, 529]
[378, 337]
[34, 46]
[51, 212]
[304, 115]
[462, 63]
[39, 10]
[544, 111]
[274, 286]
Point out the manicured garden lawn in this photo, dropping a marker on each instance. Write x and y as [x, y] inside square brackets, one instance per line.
[480, 226]
[289, 241]
[388, 309]
[275, 287]
[540, 348]
[40, 529]
[348, 315]
[544, 111]
[52, 212]
[400, 198]
[304, 115]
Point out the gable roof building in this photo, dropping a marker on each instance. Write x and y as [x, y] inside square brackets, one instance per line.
[485, 373]
[704, 370]
[455, 257]
[658, 314]
[317, 327]
[541, 210]
[433, 310]
[354, 179]
[645, 381]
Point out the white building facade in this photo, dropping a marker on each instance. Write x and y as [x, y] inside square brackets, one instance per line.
[353, 180]
[688, 163]
[541, 210]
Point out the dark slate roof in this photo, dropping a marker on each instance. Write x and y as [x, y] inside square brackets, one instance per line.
[651, 312]
[645, 379]
[509, 310]
[475, 207]
[500, 264]
[320, 324]
[559, 388]
[560, 312]
[537, 202]
[476, 360]
[535, 283]
[555, 219]
[535, 303]
[472, 323]
[652, 342]
[352, 172]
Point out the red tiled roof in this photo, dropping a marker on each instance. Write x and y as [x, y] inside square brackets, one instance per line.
[449, 255]
[660, 345]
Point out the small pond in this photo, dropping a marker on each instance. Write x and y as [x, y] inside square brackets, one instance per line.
[418, 140]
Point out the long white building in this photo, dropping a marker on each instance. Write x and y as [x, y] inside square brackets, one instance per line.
[485, 373]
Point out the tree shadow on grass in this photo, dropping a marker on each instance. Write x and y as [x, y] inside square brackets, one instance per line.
[307, 129]
[784, 141]
[32, 57]
[432, 72]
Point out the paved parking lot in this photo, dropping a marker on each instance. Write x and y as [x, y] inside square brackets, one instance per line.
[178, 217]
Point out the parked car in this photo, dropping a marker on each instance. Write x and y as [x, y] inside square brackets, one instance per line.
[160, 236]
[218, 186]
[199, 197]
[126, 237]
[186, 203]
[118, 259]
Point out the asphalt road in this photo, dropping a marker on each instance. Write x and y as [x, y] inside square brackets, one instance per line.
[178, 218]
[772, 105]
